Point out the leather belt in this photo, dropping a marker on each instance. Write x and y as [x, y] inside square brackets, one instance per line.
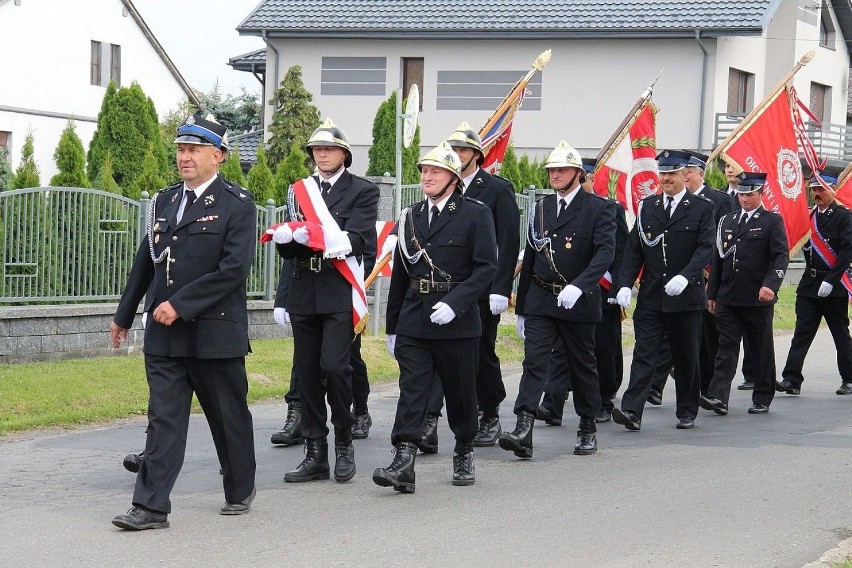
[429, 287]
[817, 273]
[549, 286]
[313, 263]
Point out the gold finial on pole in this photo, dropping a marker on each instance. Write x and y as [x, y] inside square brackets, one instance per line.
[542, 60]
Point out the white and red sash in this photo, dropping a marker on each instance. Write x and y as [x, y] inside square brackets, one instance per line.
[383, 229]
[827, 254]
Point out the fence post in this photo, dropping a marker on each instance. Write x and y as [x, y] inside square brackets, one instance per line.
[144, 205]
[270, 280]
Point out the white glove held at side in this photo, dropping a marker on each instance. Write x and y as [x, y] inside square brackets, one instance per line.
[281, 316]
[390, 341]
[522, 332]
[282, 235]
[498, 304]
[568, 296]
[676, 285]
[443, 314]
[624, 297]
[825, 289]
[389, 245]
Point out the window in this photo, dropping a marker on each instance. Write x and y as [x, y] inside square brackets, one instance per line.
[820, 103]
[740, 91]
[5, 138]
[826, 28]
[412, 74]
[484, 90]
[106, 64]
[353, 76]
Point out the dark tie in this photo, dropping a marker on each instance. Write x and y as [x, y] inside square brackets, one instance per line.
[435, 214]
[743, 219]
[190, 199]
[669, 201]
[562, 208]
[326, 187]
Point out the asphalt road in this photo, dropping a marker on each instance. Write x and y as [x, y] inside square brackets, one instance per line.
[739, 490]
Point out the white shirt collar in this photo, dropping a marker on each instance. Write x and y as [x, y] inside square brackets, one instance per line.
[676, 198]
[568, 198]
[200, 189]
[468, 180]
[333, 179]
[439, 204]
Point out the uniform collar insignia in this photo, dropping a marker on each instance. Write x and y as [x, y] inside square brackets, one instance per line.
[756, 215]
[780, 273]
[451, 206]
[209, 200]
[174, 197]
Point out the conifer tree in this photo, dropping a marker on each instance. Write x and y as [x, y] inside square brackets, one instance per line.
[27, 174]
[260, 179]
[231, 169]
[382, 154]
[105, 181]
[294, 116]
[70, 160]
[290, 169]
[149, 178]
[509, 169]
[5, 170]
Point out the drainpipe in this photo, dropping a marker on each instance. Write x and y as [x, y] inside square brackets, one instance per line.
[703, 89]
[275, 64]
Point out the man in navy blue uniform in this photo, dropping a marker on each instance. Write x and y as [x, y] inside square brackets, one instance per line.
[191, 268]
[748, 267]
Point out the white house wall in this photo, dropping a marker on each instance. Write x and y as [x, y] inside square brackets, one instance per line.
[47, 69]
[587, 88]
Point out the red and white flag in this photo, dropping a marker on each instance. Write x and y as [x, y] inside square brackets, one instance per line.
[844, 187]
[770, 144]
[628, 171]
[383, 229]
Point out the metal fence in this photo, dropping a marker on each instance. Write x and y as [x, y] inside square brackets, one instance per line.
[71, 245]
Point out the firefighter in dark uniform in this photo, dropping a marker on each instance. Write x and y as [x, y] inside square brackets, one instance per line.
[748, 267]
[722, 205]
[192, 268]
[445, 260]
[821, 293]
[320, 304]
[499, 195]
[570, 246]
[673, 239]
[608, 352]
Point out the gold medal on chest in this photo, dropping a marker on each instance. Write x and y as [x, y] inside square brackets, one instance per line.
[567, 242]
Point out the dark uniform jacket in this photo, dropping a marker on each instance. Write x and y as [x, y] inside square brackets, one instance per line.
[760, 258]
[497, 193]
[722, 202]
[835, 224]
[582, 242]
[212, 249]
[462, 244]
[353, 203]
[687, 245]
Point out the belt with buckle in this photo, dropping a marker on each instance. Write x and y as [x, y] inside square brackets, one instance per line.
[549, 286]
[312, 263]
[817, 273]
[430, 287]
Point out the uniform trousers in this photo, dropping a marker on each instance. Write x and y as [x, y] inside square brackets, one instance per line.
[322, 346]
[578, 339]
[684, 332]
[455, 362]
[755, 323]
[610, 364]
[221, 387]
[809, 313]
[360, 381]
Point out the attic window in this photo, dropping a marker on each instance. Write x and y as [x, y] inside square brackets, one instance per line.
[106, 64]
[826, 28]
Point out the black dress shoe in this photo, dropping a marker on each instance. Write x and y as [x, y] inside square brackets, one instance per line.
[746, 385]
[685, 423]
[361, 428]
[133, 461]
[758, 409]
[139, 518]
[718, 406]
[626, 418]
[240, 508]
[587, 441]
[787, 387]
[845, 388]
[489, 431]
[655, 397]
[604, 415]
[547, 416]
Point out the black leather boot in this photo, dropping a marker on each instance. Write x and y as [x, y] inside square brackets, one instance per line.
[587, 441]
[463, 470]
[489, 429]
[400, 473]
[344, 452]
[429, 442]
[361, 428]
[520, 439]
[133, 461]
[315, 464]
[291, 433]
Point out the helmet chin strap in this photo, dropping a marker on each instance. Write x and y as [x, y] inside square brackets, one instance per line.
[570, 183]
[330, 173]
[438, 195]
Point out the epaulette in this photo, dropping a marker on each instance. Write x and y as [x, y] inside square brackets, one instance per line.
[238, 191]
[595, 195]
[474, 200]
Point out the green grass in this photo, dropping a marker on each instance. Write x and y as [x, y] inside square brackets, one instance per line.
[86, 391]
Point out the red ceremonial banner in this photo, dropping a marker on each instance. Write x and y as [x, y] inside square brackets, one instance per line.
[769, 144]
[844, 191]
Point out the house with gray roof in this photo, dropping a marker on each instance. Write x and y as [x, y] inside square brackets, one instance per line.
[715, 60]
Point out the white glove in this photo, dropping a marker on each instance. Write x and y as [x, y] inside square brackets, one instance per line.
[522, 331]
[390, 341]
[825, 289]
[568, 296]
[302, 235]
[281, 316]
[443, 314]
[282, 235]
[144, 319]
[498, 304]
[676, 285]
[624, 296]
[611, 301]
[389, 245]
